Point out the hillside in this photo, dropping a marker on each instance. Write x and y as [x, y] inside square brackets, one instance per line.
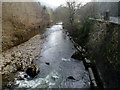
[21, 21]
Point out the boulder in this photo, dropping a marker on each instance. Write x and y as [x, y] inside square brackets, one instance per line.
[32, 70]
[71, 77]
[77, 55]
[21, 76]
[47, 63]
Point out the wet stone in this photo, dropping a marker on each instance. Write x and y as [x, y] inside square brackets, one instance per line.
[71, 77]
[32, 70]
[47, 63]
[20, 78]
[77, 55]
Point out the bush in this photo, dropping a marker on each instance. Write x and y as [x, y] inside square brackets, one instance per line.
[81, 32]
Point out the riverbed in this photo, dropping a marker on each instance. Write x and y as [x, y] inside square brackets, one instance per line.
[57, 68]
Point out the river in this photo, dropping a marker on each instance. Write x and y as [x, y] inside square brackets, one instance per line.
[57, 68]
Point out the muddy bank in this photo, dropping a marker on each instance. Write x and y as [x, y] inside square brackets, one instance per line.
[19, 58]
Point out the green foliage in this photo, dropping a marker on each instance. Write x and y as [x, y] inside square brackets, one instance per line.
[111, 50]
[79, 27]
[82, 31]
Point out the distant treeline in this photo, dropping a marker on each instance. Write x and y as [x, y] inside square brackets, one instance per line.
[113, 7]
[100, 8]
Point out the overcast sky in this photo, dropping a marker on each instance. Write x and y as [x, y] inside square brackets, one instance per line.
[56, 3]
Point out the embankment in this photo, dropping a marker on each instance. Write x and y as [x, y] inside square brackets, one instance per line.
[21, 21]
[104, 46]
[101, 40]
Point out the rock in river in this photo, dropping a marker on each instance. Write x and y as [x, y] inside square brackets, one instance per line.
[77, 55]
[47, 63]
[32, 70]
[71, 77]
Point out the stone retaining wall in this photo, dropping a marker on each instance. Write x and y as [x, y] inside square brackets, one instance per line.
[104, 47]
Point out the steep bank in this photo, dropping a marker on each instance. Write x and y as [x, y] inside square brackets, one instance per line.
[101, 39]
[21, 21]
[103, 45]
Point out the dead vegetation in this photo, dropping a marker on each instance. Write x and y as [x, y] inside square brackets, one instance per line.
[21, 22]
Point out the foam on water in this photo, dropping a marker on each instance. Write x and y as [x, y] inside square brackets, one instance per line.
[64, 59]
[46, 82]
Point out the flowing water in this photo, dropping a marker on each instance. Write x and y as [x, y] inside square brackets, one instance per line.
[57, 68]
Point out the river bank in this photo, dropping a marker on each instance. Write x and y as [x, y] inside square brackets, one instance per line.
[101, 41]
[18, 58]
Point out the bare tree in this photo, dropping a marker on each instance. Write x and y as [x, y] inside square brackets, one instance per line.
[72, 8]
